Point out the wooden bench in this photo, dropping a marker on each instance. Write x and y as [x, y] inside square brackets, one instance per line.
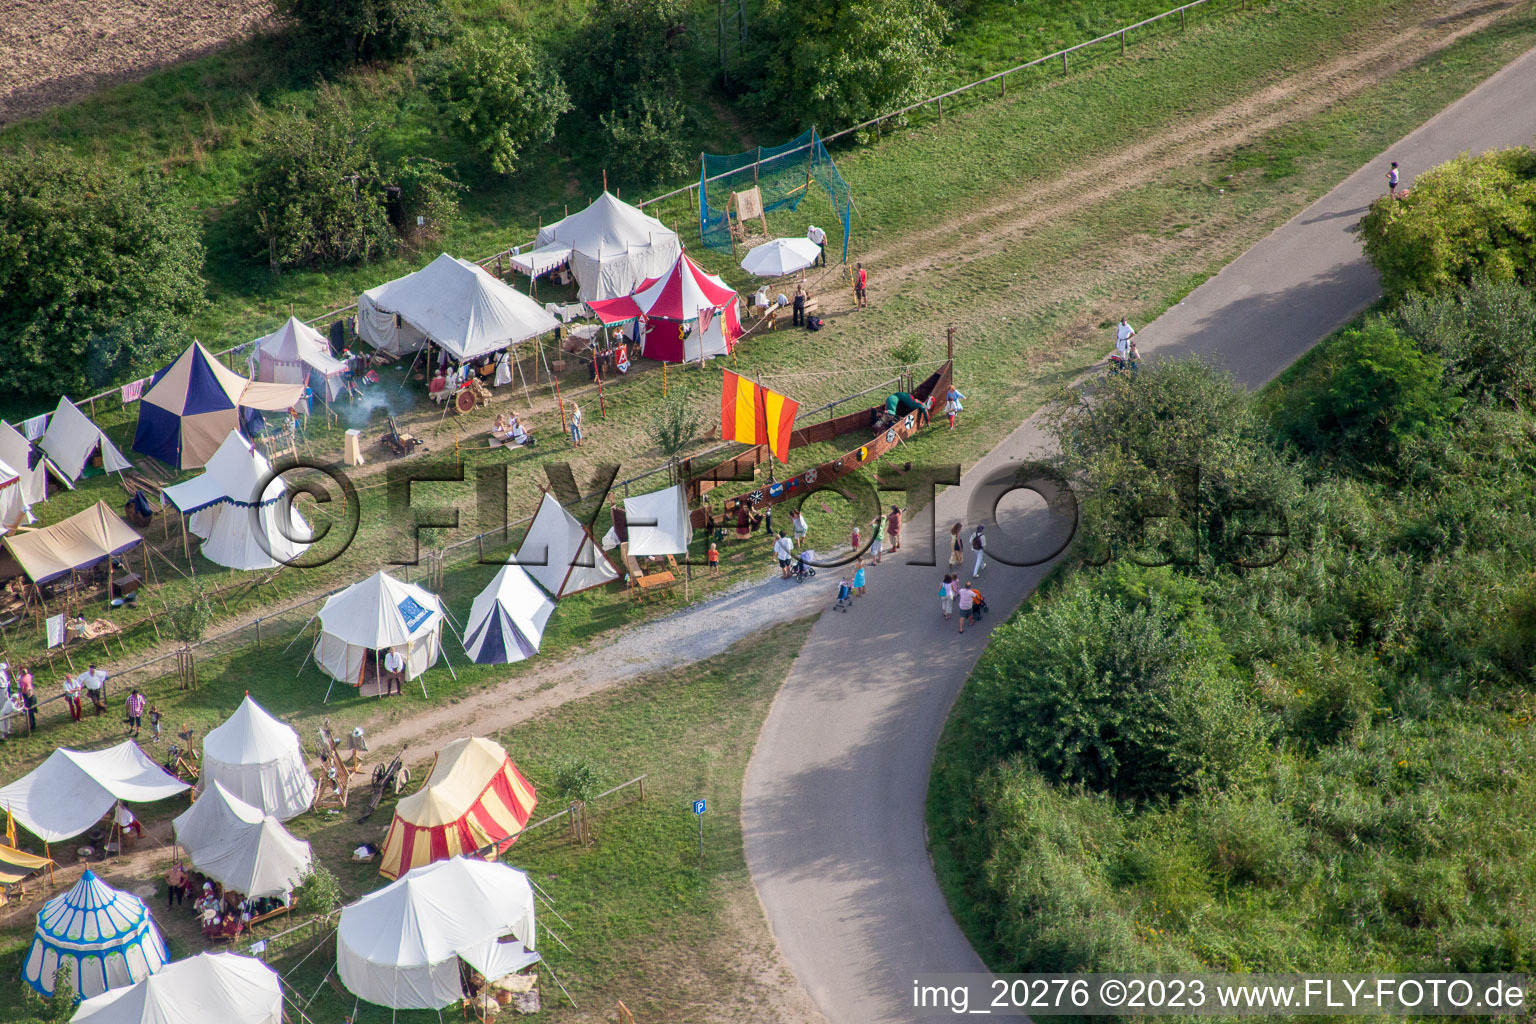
[269, 915]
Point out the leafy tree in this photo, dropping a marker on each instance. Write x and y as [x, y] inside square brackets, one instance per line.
[1471, 216]
[622, 67]
[319, 194]
[191, 618]
[1383, 394]
[499, 94]
[576, 779]
[100, 272]
[1135, 701]
[355, 30]
[318, 892]
[674, 424]
[1486, 333]
[835, 63]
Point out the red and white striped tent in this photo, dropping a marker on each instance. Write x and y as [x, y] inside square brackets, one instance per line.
[475, 797]
[689, 313]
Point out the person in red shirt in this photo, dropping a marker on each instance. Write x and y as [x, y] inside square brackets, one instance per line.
[861, 287]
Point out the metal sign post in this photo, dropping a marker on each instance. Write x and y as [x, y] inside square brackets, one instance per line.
[698, 812]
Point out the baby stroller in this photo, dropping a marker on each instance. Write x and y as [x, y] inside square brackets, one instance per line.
[800, 572]
[844, 596]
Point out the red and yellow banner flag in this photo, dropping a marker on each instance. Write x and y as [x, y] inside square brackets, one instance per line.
[752, 414]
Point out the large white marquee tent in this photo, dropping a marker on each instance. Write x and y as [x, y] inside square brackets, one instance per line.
[259, 760]
[611, 247]
[454, 303]
[239, 528]
[400, 946]
[72, 790]
[372, 617]
[239, 847]
[210, 988]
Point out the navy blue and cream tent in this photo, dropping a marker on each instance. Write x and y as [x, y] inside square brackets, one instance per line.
[106, 938]
[506, 622]
[191, 406]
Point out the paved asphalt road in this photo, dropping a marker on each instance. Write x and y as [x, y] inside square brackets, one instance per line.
[833, 797]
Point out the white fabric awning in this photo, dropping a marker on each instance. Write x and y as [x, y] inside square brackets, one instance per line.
[210, 988]
[72, 790]
[540, 261]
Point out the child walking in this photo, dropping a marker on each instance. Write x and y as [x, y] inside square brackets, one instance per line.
[858, 579]
[714, 556]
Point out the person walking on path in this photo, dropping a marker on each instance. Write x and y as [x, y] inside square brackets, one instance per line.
[175, 885]
[952, 405]
[1123, 335]
[818, 236]
[1392, 180]
[856, 540]
[956, 549]
[783, 550]
[134, 705]
[966, 599]
[877, 540]
[947, 596]
[576, 423]
[861, 287]
[858, 579]
[714, 557]
[893, 528]
[979, 545]
[798, 526]
[72, 688]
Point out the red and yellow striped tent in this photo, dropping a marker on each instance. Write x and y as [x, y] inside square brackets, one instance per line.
[474, 797]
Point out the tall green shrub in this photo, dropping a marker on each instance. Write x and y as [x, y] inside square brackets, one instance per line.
[356, 30]
[100, 272]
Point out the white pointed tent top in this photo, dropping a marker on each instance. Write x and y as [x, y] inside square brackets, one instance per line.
[609, 227]
[16, 450]
[74, 789]
[374, 612]
[250, 736]
[525, 607]
[237, 845]
[232, 474]
[70, 439]
[463, 308]
[209, 987]
[558, 552]
[297, 342]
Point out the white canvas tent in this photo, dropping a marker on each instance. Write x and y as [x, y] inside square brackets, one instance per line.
[239, 528]
[657, 524]
[289, 354]
[374, 616]
[258, 759]
[611, 245]
[400, 946]
[702, 343]
[15, 509]
[239, 847]
[454, 303]
[506, 622]
[210, 988]
[71, 439]
[16, 452]
[558, 552]
[72, 790]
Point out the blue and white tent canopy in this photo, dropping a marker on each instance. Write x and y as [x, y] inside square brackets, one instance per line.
[507, 619]
[106, 937]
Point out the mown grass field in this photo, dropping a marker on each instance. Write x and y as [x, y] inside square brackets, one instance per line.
[648, 922]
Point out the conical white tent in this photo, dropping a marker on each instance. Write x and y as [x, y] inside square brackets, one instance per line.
[400, 946]
[558, 552]
[16, 452]
[105, 936]
[289, 354]
[71, 439]
[506, 622]
[258, 759]
[454, 303]
[612, 246]
[210, 988]
[239, 847]
[239, 528]
[373, 616]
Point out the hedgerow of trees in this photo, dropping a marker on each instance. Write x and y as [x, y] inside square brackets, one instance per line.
[100, 272]
[499, 94]
[319, 193]
[357, 30]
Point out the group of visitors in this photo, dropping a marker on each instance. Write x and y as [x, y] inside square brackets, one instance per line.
[222, 914]
[14, 705]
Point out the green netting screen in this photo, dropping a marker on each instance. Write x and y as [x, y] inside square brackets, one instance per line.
[784, 174]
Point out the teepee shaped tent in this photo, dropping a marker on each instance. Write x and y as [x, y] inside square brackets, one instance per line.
[17, 452]
[210, 988]
[374, 616]
[240, 529]
[558, 552]
[105, 936]
[506, 622]
[292, 352]
[258, 759]
[191, 406]
[15, 509]
[239, 847]
[71, 439]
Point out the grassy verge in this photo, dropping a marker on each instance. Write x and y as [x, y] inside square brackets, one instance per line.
[648, 922]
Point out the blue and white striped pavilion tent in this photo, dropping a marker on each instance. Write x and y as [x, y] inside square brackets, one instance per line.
[106, 937]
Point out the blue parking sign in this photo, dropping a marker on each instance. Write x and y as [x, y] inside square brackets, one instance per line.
[698, 807]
